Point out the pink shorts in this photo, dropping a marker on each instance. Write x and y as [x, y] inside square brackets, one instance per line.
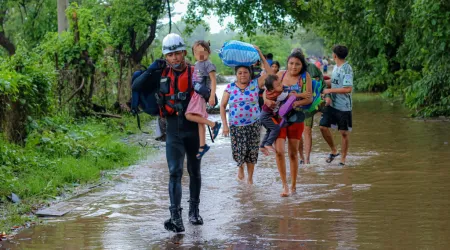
[197, 106]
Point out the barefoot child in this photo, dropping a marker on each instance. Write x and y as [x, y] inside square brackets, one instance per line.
[204, 82]
[274, 92]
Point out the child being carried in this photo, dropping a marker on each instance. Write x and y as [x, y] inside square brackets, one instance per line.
[274, 92]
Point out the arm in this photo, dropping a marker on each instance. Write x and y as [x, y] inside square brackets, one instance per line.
[307, 94]
[223, 113]
[266, 67]
[145, 78]
[212, 97]
[307, 100]
[343, 90]
[271, 104]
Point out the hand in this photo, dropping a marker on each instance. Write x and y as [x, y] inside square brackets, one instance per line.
[326, 91]
[212, 101]
[271, 104]
[292, 94]
[257, 48]
[307, 95]
[296, 104]
[327, 101]
[226, 131]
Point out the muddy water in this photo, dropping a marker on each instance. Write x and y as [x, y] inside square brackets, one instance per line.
[393, 194]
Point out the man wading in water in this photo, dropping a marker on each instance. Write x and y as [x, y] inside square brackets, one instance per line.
[339, 112]
[182, 138]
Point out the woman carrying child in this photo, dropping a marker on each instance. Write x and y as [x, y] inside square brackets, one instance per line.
[292, 81]
[204, 83]
[274, 92]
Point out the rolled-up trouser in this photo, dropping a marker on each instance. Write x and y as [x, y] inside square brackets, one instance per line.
[182, 140]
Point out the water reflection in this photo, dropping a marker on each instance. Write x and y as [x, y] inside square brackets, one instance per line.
[394, 194]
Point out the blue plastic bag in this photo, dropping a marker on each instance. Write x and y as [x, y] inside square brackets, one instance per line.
[235, 53]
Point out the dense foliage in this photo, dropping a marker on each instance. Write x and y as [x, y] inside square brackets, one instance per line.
[25, 92]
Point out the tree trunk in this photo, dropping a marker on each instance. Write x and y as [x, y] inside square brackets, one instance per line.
[119, 82]
[4, 41]
[13, 121]
[63, 24]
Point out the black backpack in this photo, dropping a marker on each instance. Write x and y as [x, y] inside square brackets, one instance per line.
[144, 89]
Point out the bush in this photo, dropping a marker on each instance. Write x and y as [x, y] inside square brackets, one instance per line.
[25, 87]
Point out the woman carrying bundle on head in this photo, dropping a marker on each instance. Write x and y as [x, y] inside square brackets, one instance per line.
[243, 117]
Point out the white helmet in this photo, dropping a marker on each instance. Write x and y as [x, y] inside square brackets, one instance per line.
[171, 43]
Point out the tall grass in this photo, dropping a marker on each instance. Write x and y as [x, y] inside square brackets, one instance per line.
[60, 153]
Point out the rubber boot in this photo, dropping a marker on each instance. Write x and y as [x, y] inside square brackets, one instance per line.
[175, 223]
[194, 213]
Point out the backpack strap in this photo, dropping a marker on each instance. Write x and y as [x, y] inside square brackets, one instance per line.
[302, 81]
[138, 119]
[161, 99]
[185, 103]
[282, 77]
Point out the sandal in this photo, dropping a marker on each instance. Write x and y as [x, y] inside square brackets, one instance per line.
[331, 157]
[201, 153]
[216, 130]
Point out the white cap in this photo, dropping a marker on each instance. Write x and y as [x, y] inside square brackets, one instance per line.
[171, 43]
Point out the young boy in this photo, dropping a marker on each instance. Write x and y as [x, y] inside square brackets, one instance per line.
[274, 92]
[339, 104]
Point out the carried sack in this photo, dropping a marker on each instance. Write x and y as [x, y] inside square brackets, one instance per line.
[235, 53]
[290, 115]
[145, 86]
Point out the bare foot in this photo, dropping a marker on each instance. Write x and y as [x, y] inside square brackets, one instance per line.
[285, 192]
[293, 190]
[241, 174]
[250, 181]
[264, 151]
[270, 148]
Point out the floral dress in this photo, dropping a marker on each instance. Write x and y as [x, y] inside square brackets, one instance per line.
[243, 118]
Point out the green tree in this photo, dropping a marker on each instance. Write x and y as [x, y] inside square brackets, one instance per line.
[25, 20]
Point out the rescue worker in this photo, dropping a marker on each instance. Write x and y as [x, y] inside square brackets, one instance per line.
[182, 138]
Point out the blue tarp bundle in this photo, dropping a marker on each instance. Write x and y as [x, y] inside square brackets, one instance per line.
[236, 53]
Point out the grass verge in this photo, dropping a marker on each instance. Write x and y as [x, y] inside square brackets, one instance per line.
[60, 153]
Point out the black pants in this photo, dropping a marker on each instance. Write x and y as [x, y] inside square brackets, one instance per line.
[182, 140]
[272, 129]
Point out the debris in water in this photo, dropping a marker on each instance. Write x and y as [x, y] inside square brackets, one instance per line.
[14, 198]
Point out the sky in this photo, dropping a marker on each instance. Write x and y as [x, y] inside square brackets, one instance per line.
[180, 8]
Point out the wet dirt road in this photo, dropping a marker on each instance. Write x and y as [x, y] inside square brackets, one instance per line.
[393, 194]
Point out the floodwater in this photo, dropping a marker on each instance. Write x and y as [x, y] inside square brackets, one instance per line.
[393, 194]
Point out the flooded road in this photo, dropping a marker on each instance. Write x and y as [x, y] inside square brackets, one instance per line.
[393, 194]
